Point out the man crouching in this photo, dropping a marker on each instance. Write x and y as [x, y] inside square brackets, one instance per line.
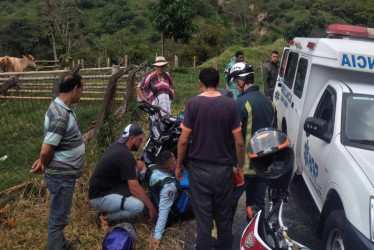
[113, 186]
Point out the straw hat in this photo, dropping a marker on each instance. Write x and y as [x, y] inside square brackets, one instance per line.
[160, 61]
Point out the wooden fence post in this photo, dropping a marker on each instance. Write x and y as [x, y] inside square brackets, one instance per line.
[126, 60]
[115, 69]
[194, 61]
[215, 64]
[176, 64]
[107, 103]
[108, 62]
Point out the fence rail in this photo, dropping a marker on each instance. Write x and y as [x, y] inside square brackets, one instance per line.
[23, 106]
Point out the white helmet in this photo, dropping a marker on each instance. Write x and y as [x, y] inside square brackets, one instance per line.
[242, 70]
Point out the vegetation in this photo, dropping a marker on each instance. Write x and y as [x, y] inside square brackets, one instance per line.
[173, 19]
[73, 29]
[103, 28]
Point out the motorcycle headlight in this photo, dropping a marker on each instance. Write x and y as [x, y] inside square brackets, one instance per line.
[372, 218]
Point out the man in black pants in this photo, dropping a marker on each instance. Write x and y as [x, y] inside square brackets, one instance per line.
[256, 111]
[212, 119]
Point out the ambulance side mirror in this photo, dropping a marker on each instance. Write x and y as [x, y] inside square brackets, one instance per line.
[316, 127]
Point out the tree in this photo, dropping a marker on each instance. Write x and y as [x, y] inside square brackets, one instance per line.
[64, 19]
[122, 43]
[300, 28]
[204, 45]
[173, 19]
[51, 8]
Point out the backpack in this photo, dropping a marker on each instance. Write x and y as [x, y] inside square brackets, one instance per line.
[182, 207]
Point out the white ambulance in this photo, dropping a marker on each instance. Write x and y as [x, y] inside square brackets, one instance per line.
[325, 103]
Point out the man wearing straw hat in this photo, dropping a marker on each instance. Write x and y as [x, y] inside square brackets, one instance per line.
[157, 87]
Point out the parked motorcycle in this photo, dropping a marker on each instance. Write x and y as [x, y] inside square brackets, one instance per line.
[273, 160]
[163, 135]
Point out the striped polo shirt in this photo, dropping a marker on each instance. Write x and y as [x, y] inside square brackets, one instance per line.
[61, 130]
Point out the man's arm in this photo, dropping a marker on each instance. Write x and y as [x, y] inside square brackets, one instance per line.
[182, 150]
[138, 192]
[139, 91]
[239, 146]
[45, 157]
[167, 196]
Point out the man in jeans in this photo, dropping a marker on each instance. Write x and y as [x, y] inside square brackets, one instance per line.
[113, 187]
[212, 119]
[61, 158]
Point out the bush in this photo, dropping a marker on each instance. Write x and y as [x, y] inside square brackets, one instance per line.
[139, 22]
[289, 19]
[155, 37]
[181, 70]
[286, 5]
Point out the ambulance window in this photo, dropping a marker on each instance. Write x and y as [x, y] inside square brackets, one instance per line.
[291, 69]
[326, 109]
[284, 63]
[300, 77]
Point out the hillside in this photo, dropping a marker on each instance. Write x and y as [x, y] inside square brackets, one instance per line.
[93, 29]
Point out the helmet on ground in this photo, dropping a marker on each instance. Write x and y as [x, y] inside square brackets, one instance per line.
[242, 70]
[121, 237]
[272, 157]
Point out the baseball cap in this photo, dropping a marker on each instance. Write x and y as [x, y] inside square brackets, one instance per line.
[130, 130]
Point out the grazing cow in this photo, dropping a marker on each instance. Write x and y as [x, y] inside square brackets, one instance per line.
[13, 64]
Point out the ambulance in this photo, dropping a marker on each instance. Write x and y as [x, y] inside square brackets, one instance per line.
[324, 97]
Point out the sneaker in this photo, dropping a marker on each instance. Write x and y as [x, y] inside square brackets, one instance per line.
[102, 221]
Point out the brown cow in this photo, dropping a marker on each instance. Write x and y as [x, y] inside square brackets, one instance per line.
[13, 64]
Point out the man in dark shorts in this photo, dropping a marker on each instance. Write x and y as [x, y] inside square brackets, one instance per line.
[113, 187]
[212, 119]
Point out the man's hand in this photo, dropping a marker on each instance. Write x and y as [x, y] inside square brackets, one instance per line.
[140, 166]
[153, 213]
[155, 241]
[37, 167]
[179, 170]
[240, 173]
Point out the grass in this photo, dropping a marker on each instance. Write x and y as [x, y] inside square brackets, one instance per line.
[27, 217]
[24, 221]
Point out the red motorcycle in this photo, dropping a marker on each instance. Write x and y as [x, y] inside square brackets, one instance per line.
[273, 160]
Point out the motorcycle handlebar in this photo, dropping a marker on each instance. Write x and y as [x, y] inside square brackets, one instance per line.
[149, 108]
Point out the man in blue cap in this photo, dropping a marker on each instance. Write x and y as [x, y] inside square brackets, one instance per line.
[113, 186]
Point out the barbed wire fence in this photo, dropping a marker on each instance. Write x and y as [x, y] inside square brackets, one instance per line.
[24, 99]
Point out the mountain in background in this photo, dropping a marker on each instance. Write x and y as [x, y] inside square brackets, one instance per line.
[97, 29]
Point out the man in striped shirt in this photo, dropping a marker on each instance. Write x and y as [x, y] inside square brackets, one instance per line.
[61, 157]
[157, 87]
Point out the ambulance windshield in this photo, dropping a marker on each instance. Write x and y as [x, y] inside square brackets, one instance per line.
[358, 127]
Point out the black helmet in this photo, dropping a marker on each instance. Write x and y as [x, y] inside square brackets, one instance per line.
[272, 157]
[242, 70]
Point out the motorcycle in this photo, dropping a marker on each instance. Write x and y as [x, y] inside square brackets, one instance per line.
[163, 135]
[273, 160]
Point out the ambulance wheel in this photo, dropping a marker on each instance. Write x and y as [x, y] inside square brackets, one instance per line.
[333, 233]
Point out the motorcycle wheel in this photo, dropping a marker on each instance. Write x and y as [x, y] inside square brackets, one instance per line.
[333, 233]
